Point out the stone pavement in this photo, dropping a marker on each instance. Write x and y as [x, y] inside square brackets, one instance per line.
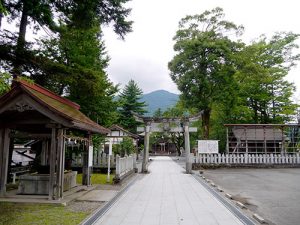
[167, 196]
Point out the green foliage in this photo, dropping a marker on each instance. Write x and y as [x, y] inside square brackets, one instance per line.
[203, 66]
[80, 75]
[263, 90]
[130, 102]
[229, 81]
[4, 83]
[158, 113]
[126, 147]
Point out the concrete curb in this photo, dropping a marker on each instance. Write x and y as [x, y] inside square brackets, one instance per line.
[241, 205]
[228, 196]
[220, 189]
[259, 218]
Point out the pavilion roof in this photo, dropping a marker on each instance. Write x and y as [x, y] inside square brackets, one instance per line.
[58, 105]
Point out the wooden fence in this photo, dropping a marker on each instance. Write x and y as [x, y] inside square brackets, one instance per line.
[247, 158]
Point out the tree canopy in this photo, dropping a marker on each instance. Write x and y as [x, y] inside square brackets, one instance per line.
[203, 65]
[229, 80]
[130, 101]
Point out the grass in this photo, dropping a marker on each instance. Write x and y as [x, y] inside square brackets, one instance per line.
[96, 178]
[36, 214]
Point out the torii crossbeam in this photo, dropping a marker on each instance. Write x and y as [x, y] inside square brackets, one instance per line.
[167, 125]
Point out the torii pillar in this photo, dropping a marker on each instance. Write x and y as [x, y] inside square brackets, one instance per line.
[146, 148]
[188, 164]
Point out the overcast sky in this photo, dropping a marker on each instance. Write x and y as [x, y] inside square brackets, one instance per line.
[144, 54]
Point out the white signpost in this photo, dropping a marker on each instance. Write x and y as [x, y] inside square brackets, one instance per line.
[208, 146]
[90, 156]
[108, 161]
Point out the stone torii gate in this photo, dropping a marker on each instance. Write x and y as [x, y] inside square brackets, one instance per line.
[181, 125]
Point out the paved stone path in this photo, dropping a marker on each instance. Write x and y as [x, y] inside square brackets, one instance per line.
[167, 196]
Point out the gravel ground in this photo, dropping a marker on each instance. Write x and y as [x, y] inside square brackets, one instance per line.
[84, 206]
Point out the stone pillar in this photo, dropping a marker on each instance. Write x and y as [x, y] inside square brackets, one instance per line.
[4, 158]
[188, 165]
[146, 149]
[117, 176]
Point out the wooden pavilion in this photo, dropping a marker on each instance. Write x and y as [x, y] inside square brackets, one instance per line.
[31, 111]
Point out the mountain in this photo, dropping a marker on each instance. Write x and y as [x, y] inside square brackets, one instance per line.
[159, 99]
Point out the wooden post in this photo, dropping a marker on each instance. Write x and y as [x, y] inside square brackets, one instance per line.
[227, 141]
[63, 155]
[52, 184]
[4, 152]
[188, 165]
[60, 163]
[265, 142]
[44, 153]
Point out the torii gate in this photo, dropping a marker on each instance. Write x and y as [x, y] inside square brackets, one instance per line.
[165, 125]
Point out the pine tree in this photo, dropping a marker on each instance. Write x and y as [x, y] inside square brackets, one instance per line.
[130, 101]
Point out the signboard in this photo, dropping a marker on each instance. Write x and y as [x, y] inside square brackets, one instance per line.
[91, 156]
[208, 146]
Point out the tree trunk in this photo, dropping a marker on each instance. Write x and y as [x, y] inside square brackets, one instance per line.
[205, 123]
[21, 42]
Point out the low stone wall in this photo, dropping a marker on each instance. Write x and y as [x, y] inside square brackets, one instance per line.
[38, 184]
[124, 167]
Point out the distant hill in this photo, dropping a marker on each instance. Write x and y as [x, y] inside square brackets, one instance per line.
[159, 99]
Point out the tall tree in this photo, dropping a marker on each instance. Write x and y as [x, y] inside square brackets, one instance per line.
[15, 54]
[130, 101]
[263, 91]
[203, 65]
[28, 11]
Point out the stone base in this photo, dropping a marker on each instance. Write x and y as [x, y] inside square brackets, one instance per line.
[38, 184]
